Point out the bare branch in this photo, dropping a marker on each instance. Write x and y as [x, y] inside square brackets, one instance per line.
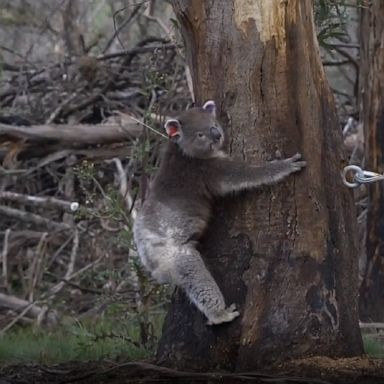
[75, 134]
[71, 265]
[135, 51]
[29, 217]
[37, 268]
[38, 201]
[22, 306]
[336, 63]
[62, 105]
[4, 258]
[371, 325]
[344, 45]
[349, 57]
[123, 187]
[121, 26]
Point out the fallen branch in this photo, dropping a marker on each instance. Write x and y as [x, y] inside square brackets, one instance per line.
[29, 217]
[38, 201]
[4, 258]
[75, 134]
[22, 306]
[371, 325]
[46, 295]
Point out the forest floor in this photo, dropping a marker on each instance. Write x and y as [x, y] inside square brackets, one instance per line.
[362, 370]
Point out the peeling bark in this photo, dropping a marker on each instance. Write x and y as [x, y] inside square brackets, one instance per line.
[287, 254]
[372, 113]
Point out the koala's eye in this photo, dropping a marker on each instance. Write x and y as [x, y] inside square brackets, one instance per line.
[200, 135]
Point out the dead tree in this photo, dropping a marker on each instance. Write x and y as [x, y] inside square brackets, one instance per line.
[287, 254]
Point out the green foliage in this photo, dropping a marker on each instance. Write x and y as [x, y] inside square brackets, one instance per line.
[331, 19]
[103, 339]
[85, 174]
[113, 207]
[124, 238]
[373, 345]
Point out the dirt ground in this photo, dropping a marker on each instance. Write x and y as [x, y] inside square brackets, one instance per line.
[324, 370]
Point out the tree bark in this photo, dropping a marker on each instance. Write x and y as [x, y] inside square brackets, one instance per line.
[287, 254]
[372, 115]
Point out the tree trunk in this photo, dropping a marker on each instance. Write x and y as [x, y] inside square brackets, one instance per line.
[287, 254]
[372, 115]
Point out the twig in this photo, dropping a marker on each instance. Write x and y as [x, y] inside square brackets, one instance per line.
[172, 38]
[37, 265]
[52, 157]
[344, 45]
[29, 217]
[17, 318]
[336, 63]
[121, 26]
[9, 50]
[4, 171]
[62, 105]
[57, 253]
[348, 56]
[71, 265]
[135, 51]
[77, 286]
[46, 295]
[4, 258]
[38, 201]
[72, 260]
[121, 10]
[12, 68]
[142, 123]
[341, 93]
[123, 188]
[52, 291]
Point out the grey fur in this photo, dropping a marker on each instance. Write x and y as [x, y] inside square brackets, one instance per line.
[193, 172]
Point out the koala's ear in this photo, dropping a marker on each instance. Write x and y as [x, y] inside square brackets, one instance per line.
[210, 106]
[173, 129]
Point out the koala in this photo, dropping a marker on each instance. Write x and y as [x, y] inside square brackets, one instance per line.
[193, 171]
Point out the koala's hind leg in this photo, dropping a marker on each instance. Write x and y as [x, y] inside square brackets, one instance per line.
[199, 285]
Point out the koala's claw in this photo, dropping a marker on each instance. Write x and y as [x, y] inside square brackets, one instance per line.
[294, 158]
[227, 315]
[294, 164]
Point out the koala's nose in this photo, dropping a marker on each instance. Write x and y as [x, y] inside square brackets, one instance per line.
[216, 134]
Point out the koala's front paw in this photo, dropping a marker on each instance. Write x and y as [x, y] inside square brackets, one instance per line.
[294, 163]
[225, 316]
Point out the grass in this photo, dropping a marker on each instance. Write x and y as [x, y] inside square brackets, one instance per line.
[80, 341]
[373, 345]
[99, 339]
